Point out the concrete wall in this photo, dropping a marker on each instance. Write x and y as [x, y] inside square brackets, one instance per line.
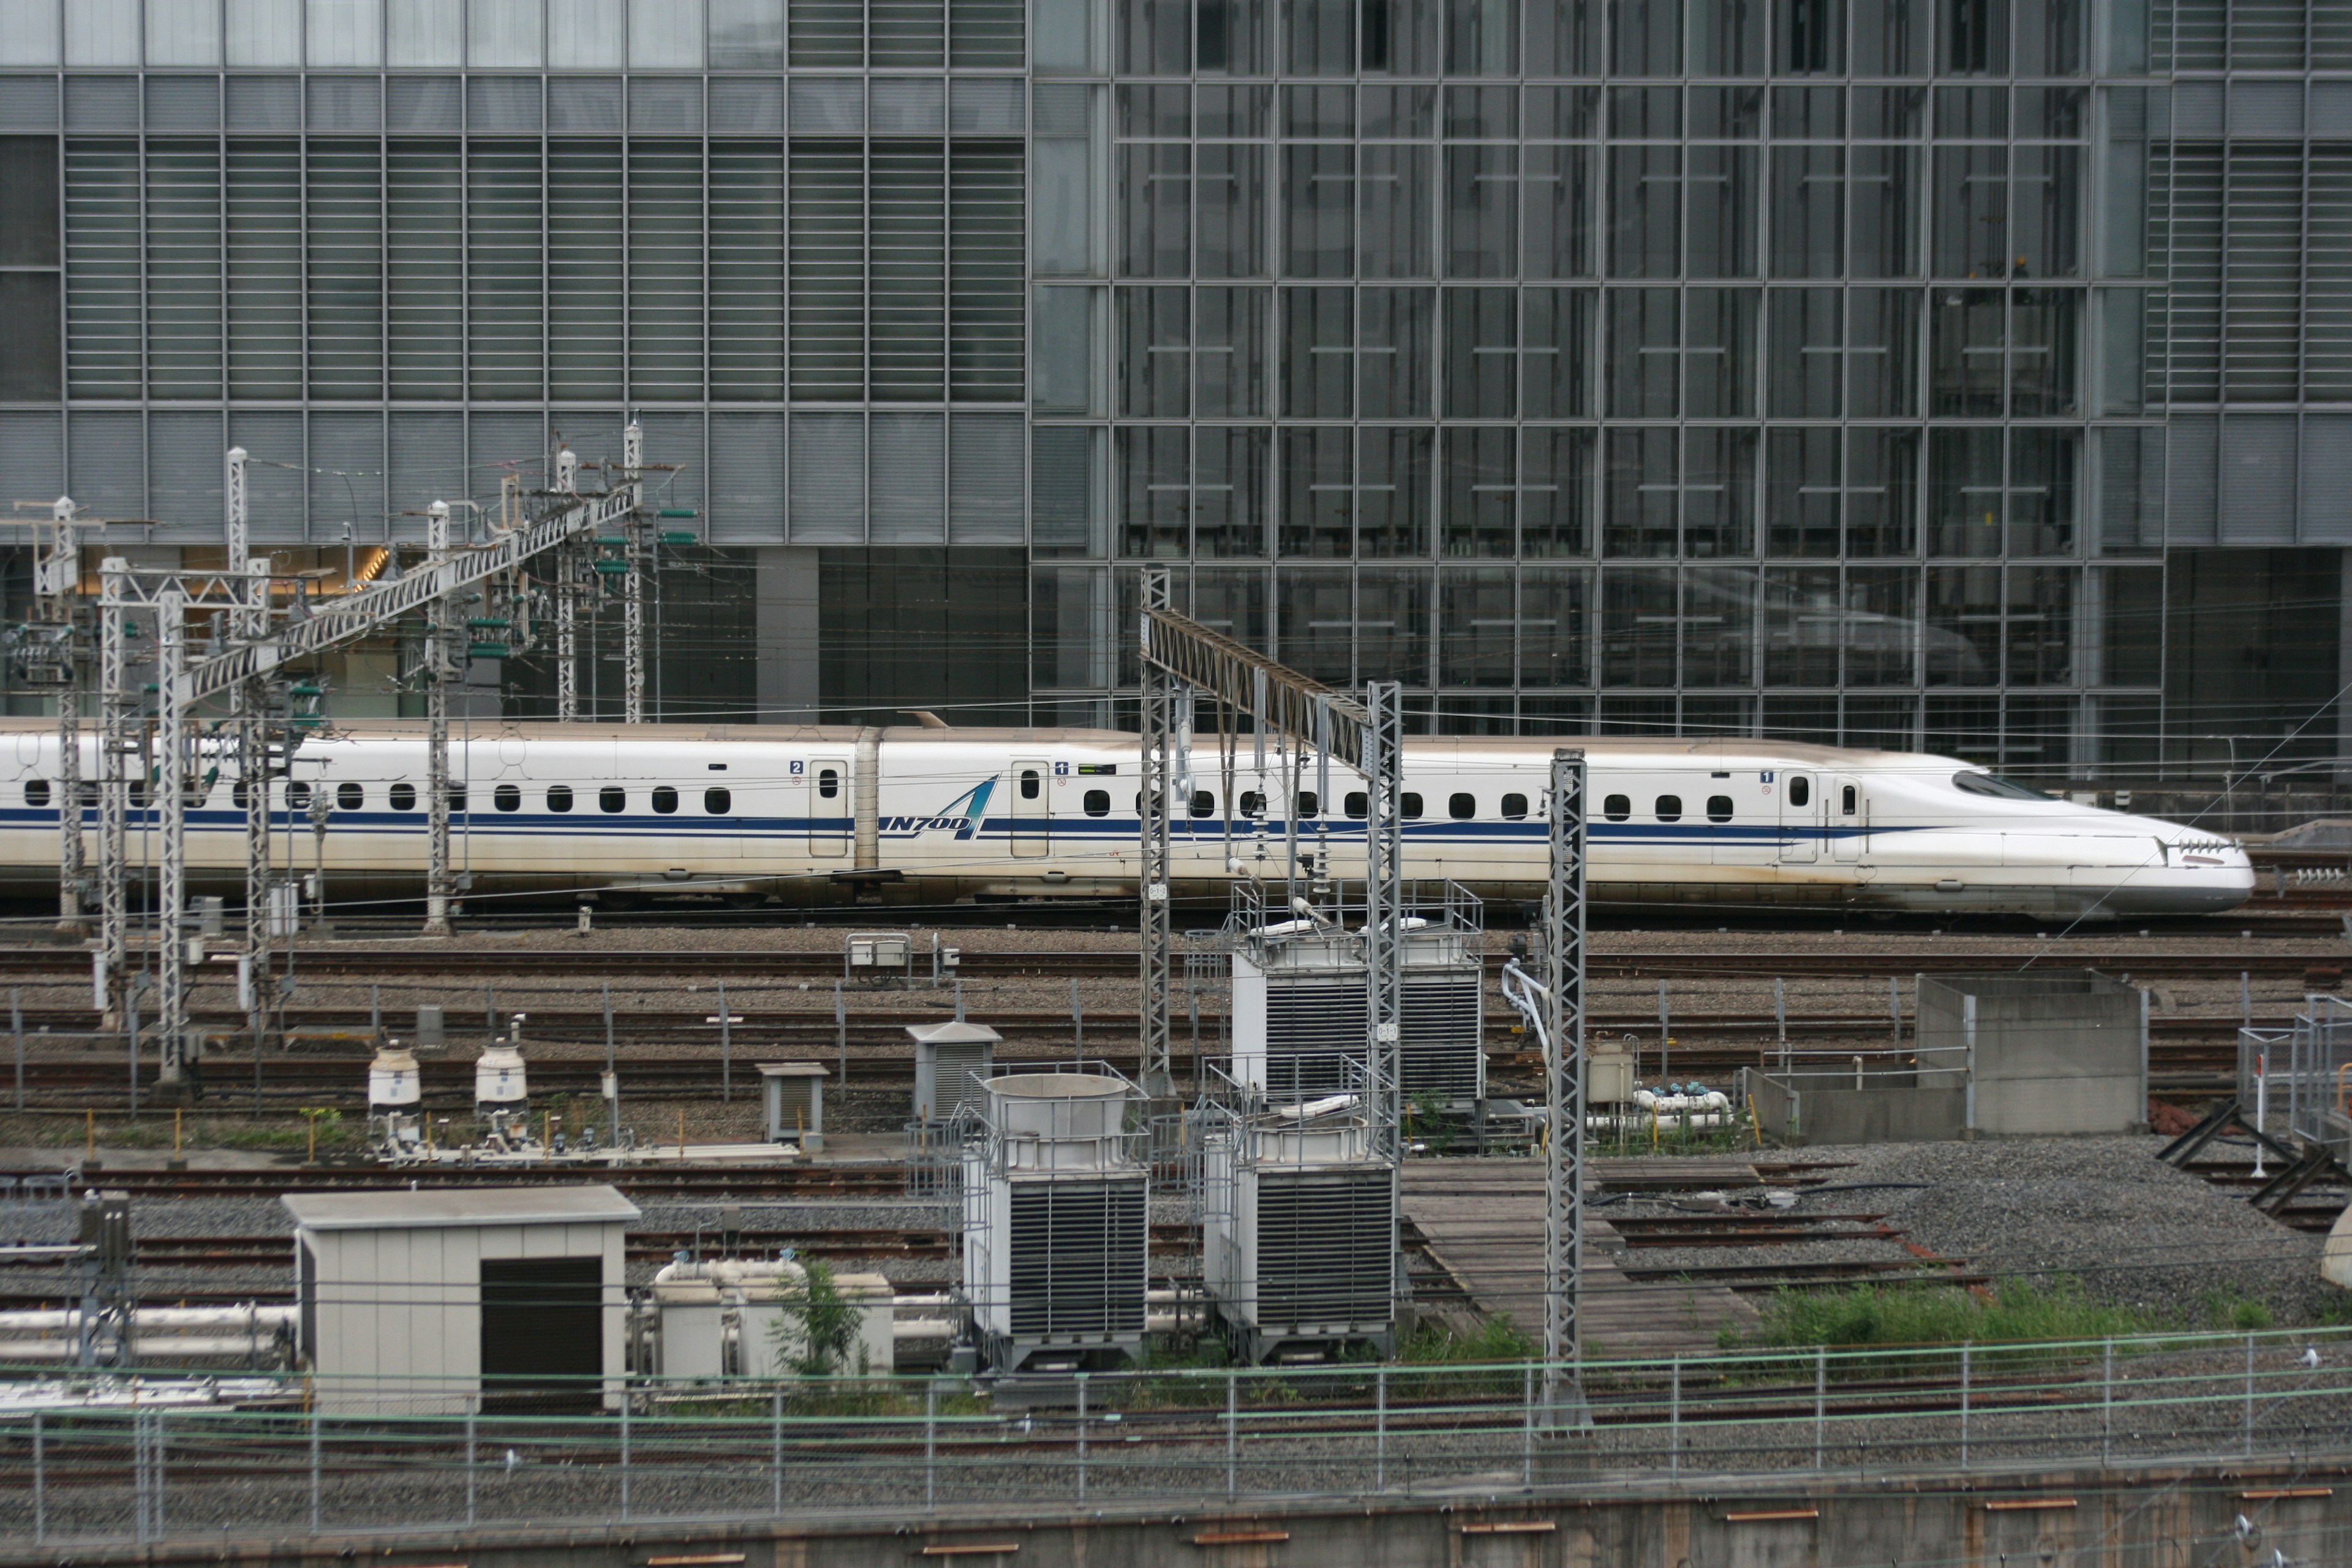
[2160, 1516]
[1813, 1109]
[2057, 1052]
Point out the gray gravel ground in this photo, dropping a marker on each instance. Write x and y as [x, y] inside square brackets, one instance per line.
[2104, 1211]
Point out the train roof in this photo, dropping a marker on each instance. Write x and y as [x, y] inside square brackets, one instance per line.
[1724, 750]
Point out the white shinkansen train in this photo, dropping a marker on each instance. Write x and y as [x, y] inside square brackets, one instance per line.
[932, 816]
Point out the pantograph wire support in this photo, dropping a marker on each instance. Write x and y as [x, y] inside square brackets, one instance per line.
[56, 586]
[247, 622]
[1382, 762]
[632, 591]
[438, 888]
[1158, 717]
[117, 714]
[170, 798]
[1563, 1048]
[567, 636]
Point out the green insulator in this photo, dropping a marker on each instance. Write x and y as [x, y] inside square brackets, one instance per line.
[487, 623]
[489, 650]
[680, 537]
[613, 568]
[677, 511]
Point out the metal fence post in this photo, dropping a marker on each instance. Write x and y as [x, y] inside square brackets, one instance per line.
[1674, 1423]
[1233, 1431]
[473, 1416]
[1966, 1361]
[158, 1446]
[625, 1447]
[2107, 1404]
[40, 1482]
[314, 1470]
[1082, 1436]
[932, 1443]
[1821, 1407]
[1527, 1426]
[137, 1434]
[1380, 1430]
[2249, 1393]
[726, 1050]
[776, 1449]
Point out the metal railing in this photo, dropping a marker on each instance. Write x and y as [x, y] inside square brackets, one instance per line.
[642, 1450]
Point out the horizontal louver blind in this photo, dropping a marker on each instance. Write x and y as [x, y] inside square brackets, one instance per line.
[985, 199]
[184, 267]
[425, 293]
[104, 332]
[584, 299]
[265, 269]
[828, 269]
[504, 225]
[665, 283]
[344, 246]
[747, 271]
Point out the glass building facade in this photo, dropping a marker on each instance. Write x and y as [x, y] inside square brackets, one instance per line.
[1966, 374]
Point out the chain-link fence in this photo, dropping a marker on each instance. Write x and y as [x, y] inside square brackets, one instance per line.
[93, 1472]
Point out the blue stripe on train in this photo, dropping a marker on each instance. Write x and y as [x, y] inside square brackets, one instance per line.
[599, 825]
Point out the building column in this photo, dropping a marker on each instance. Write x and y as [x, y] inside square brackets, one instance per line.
[784, 587]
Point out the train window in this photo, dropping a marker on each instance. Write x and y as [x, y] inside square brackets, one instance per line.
[506, 797]
[1718, 808]
[611, 797]
[1617, 808]
[1515, 807]
[349, 796]
[1030, 783]
[1356, 805]
[1411, 804]
[717, 802]
[828, 782]
[1851, 798]
[664, 799]
[297, 794]
[457, 797]
[558, 797]
[1308, 804]
[1097, 802]
[242, 796]
[1997, 787]
[1461, 807]
[1670, 808]
[1204, 803]
[1801, 791]
[402, 795]
[36, 792]
[1252, 803]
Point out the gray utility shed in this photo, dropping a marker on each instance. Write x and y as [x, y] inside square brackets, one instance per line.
[425, 1302]
[2055, 1051]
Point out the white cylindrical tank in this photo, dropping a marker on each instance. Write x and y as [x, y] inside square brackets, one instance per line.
[1704, 1108]
[395, 1084]
[499, 1080]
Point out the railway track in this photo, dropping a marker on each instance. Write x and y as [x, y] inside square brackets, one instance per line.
[2204, 1063]
[2225, 955]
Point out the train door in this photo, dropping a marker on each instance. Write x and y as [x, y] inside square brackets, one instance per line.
[1033, 801]
[1849, 816]
[825, 788]
[1801, 818]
